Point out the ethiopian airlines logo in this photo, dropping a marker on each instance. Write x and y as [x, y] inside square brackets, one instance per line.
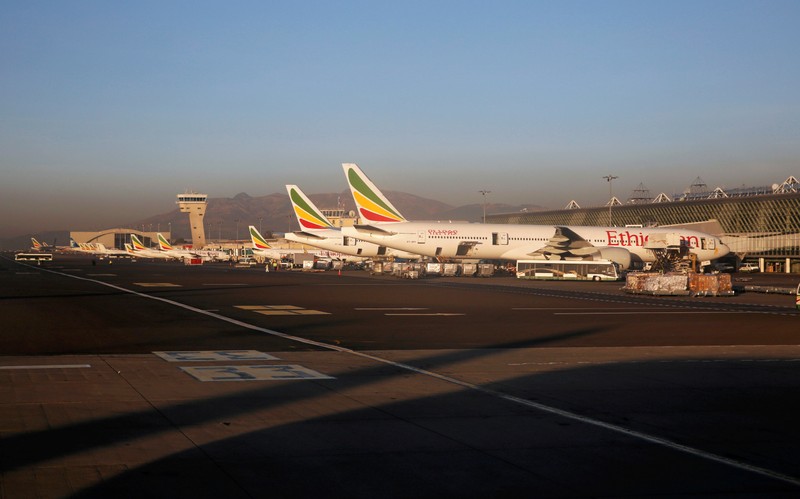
[162, 241]
[307, 216]
[137, 244]
[258, 241]
[370, 204]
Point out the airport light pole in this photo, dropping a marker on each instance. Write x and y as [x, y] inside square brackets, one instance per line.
[484, 192]
[237, 230]
[609, 178]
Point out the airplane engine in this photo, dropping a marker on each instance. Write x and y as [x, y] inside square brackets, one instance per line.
[617, 255]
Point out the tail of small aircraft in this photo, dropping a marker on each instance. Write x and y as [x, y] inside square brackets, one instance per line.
[371, 203]
[258, 240]
[308, 216]
[164, 244]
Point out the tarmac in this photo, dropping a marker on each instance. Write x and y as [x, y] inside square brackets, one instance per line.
[137, 379]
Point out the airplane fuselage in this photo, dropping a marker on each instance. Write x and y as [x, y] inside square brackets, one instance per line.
[519, 242]
[335, 240]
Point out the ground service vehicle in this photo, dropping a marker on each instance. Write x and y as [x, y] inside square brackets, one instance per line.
[577, 270]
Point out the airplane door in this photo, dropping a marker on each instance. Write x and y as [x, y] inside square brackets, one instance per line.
[499, 238]
[421, 237]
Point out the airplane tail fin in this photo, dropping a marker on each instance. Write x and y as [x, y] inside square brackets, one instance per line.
[73, 244]
[136, 243]
[308, 216]
[129, 248]
[36, 244]
[258, 240]
[163, 243]
[371, 203]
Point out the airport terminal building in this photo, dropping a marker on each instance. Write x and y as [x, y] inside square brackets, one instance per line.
[758, 224]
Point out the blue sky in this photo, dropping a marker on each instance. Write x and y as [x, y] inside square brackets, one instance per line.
[110, 109]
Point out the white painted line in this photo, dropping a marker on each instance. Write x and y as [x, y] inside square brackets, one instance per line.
[710, 456]
[48, 366]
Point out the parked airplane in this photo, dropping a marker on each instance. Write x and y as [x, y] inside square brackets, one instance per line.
[262, 248]
[101, 250]
[383, 224]
[183, 254]
[142, 251]
[37, 246]
[80, 248]
[318, 231]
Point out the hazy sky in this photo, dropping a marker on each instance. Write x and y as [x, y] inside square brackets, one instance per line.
[110, 109]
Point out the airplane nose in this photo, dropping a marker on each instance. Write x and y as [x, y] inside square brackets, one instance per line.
[723, 249]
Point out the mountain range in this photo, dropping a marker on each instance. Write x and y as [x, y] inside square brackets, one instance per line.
[227, 218]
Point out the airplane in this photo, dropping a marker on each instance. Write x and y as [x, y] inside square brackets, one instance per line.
[262, 248]
[318, 231]
[183, 254]
[140, 250]
[384, 224]
[37, 246]
[101, 250]
[42, 246]
[80, 248]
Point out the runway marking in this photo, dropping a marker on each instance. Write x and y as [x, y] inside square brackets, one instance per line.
[280, 310]
[211, 355]
[291, 312]
[710, 456]
[48, 366]
[157, 285]
[253, 373]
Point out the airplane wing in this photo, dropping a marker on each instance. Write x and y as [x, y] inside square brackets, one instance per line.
[372, 229]
[565, 242]
[308, 235]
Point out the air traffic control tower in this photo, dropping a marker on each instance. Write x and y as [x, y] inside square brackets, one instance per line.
[195, 205]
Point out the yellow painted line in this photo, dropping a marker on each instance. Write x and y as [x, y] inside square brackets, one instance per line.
[290, 312]
[280, 310]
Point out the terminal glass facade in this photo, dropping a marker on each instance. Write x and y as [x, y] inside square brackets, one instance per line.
[755, 226]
